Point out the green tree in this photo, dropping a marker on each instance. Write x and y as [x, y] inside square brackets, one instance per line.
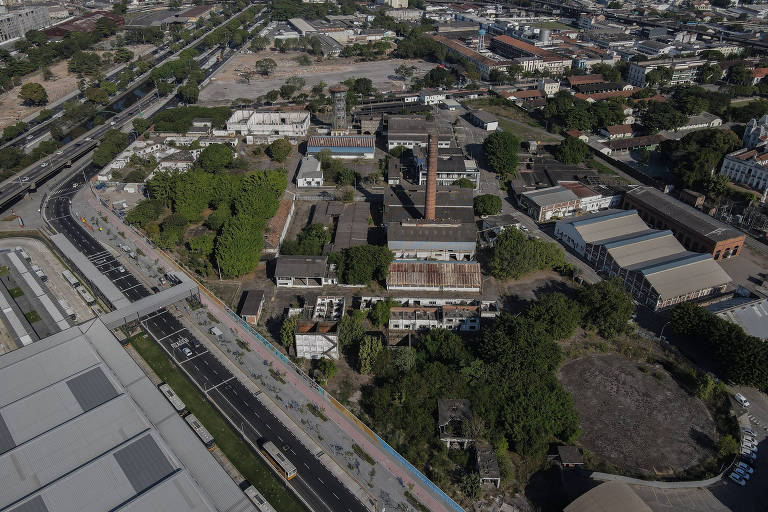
[658, 76]
[662, 116]
[365, 263]
[716, 185]
[559, 314]
[144, 212]
[96, 95]
[272, 95]
[740, 75]
[33, 93]
[470, 485]
[113, 142]
[216, 157]
[238, 247]
[279, 150]
[189, 93]
[288, 331]
[368, 350]
[502, 149]
[727, 446]
[265, 67]
[327, 367]
[351, 330]
[141, 125]
[379, 313]
[487, 204]
[514, 255]
[202, 245]
[572, 151]
[608, 307]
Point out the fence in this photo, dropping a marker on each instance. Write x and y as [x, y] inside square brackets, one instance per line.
[418, 474]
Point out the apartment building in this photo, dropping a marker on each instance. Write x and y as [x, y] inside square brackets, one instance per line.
[748, 167]
[453, 317]
[15, 24]
[684, 71]
[530, 57]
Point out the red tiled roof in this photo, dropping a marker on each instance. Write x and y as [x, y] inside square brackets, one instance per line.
[534, 50]
[468, 52]
[434, 274]
[596, 78]
[760, 73]
[761, 158]
[747, 155]
[530, 93]
[597, 96]
[618, 129]
[577, 188]
[574, 133]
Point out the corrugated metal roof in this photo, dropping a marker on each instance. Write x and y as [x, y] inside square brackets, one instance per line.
[696, 272]
[432, 232]
[434, 274]
[301, 266]
[551, 195]
[341, 141]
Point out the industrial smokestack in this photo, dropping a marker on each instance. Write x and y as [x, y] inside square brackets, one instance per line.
[431, 192]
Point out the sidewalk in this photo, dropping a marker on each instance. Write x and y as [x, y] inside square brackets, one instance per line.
[388, 478]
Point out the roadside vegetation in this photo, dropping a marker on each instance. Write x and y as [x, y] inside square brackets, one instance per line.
[237, 451]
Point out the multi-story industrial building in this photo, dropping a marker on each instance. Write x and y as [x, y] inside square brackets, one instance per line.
[453, 317]
[652, 264]
[483, 62]
[530, 57]
[265, 127]
[15, 24]
[748, 167]
[684, 71]
[696, 230]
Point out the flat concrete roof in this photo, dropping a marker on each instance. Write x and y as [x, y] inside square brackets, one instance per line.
[750, 314]
[83, 429]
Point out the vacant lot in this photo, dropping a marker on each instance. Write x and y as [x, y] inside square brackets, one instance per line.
[639, 421]
[228, 85]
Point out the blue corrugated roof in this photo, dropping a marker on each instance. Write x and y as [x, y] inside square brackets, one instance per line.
[686, 260]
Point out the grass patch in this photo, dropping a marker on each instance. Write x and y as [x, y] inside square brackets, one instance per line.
[243, 345]
[239, 453]
[600, 167]
[363, 455]
[415, 503]
[16, 292]
[32, 316]
[276, 375]
[3, 270]
[316, 411]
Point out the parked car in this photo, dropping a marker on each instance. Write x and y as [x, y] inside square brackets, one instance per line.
[749, 431]
[741, 399]
[740, 472]
[44, 164]
[737, 480]
[187, 352]
[121, 269]
[746, 467]
[748, 454]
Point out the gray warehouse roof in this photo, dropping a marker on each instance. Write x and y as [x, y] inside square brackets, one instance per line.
[453, 203]
[415, 231]
[301, 266]
[82, 429]
[551, 195]
[681, 213]
[750, 314]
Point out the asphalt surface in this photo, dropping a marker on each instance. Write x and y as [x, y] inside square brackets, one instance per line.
[314, 482]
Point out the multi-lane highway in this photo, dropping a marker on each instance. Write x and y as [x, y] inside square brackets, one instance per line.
[246, 413]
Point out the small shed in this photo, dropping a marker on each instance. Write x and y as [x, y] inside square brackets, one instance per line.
[570, 456]
[216, 331]
[250, 305]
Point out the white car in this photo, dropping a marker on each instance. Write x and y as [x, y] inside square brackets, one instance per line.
[746, 467]
[749, 431]
[748, 454]
[25, 179]
[187, 352]
[738, 480]
[59, 152]
[44, 164]
[741, 399]
[121, 269]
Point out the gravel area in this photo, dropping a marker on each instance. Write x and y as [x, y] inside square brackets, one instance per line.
[635, 420]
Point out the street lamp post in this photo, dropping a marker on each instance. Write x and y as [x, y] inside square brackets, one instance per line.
[661, 333]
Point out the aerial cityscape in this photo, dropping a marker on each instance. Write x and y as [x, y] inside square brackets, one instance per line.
[383, 256]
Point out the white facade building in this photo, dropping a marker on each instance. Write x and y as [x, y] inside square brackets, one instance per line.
[265, 127]
[748, 167]
[310, 173]
[453, 317]
[431, 97]
[15, 24]
[755, 133]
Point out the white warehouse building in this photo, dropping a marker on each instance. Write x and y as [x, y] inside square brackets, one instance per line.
[265, 127]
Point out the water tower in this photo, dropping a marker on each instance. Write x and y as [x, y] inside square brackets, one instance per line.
[481, 40]
[339, 96]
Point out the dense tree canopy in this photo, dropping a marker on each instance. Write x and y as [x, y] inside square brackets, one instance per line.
[694, 157]
[33, 93]
[741, 358]
[279, 150]
[363, 264]
[502, 149]
[572, 151]
[487, 204]
[215, 157]
[514, 255]
[608, 307]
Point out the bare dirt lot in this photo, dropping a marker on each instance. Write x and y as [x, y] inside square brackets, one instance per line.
[65, 82]
[634, 420]
[227, 85]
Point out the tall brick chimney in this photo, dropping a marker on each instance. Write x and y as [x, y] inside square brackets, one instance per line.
[431, 192]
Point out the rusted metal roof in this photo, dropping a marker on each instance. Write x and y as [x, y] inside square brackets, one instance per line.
[434, 274]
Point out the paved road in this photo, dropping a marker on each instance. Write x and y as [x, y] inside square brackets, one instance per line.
[315, 483]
